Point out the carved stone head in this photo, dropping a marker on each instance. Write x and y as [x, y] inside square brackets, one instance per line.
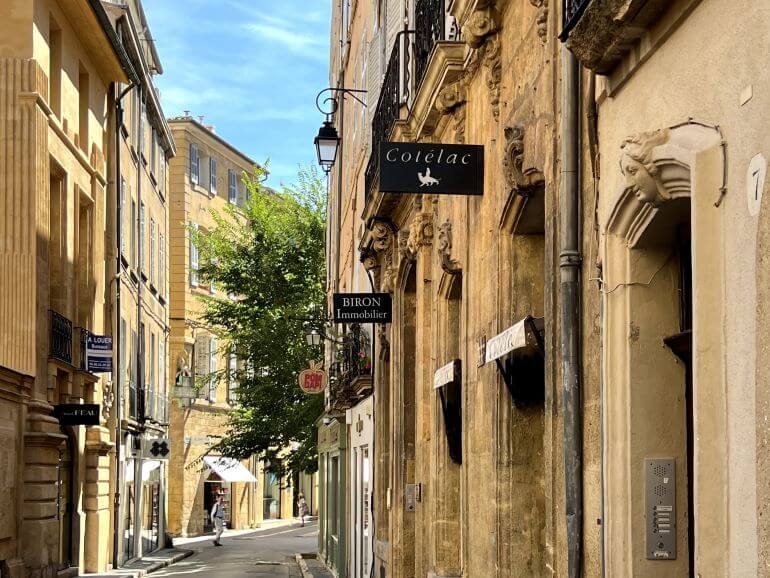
[636, 164]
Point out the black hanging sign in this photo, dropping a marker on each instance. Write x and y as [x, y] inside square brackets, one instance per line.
[362, 308]
[446, 169]
[77, 413]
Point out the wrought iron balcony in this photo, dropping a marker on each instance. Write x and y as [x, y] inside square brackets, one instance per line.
[385, 114]
[352, 363]
[61, 337]
[573, 10]
[430, 27]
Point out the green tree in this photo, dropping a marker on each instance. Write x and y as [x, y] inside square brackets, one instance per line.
[267, 261]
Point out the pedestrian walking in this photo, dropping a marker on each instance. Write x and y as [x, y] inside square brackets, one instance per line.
[302, 507]
[218, 518]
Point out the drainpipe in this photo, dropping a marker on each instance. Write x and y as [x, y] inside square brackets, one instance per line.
[569, 266]
[118, 336]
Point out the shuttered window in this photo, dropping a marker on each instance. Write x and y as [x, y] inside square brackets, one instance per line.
[213, 175]
[213, 369]
[195, 169]
[193, 259]
[202, 363]
[232, 187]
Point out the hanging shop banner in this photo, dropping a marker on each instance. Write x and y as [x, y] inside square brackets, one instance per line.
[77, 413]
[451, 372]
[98, 353]
[435, 168]
[313, 380]
[362, 308]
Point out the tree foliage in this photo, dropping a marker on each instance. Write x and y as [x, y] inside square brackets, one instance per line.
[267, 261]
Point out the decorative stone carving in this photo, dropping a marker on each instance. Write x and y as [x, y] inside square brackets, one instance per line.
[445, 249]
[542, 18]
[479, 25]
[451, 100]
[108, 398]
[481, 32]
[381, 259]
[382, 336]
[641, 173]
[403, 246]
[420, 232]
[516, 177]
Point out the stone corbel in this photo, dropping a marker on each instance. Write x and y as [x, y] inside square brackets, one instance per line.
[481, 32]
[404, 253]
[451, 266]
[380, 259]
[517, 178]
[420, 232]
[542, 18]
[451, 100]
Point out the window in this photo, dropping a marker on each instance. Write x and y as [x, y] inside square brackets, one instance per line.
[152, 251]
[162, 385]
[142, 129]
[162, 265]
[54, 66]
[232, 187]
[122, 216]
[153, 152]
[152, 393]
[232, 382]
[84, 105]
[193, 258]
[162, 172]
[133, 232]
[141, 237]
[213, 175]
[195, 170]
[202, 361]
[213, 369]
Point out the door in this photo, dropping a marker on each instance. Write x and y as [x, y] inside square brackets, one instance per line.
[64, 502]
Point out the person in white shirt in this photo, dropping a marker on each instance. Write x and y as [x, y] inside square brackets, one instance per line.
[218, 518]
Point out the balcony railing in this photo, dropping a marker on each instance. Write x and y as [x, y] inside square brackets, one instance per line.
[352, 361]
[573, 10]
[61, 337]
[430, 24]
[385, 114]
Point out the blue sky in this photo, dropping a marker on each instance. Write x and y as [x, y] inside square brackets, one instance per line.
[251, 68]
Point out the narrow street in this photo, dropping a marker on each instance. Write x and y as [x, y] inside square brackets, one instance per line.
[263, 553]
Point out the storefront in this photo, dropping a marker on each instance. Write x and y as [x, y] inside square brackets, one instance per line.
[361, 432]
[223, 480]
[332, 462]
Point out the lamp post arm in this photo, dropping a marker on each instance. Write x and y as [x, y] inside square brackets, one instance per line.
[331, 108]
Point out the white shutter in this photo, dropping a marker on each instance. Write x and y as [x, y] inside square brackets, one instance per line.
[395, 23]
[213, 369]
[193, 259]
[202, 355]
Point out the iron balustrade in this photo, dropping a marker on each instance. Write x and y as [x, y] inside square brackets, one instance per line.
[61, 337]
[573, 10]
[385, 115]
[430, 24]
[352, 360]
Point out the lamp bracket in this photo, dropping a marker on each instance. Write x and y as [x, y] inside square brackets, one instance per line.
[330, 104]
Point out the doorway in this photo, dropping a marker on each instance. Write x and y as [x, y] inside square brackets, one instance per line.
[65, 501]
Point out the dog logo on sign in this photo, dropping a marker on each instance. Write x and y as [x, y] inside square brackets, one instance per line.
[426, 180]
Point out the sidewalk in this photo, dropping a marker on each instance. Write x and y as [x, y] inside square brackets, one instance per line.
[312, 567]
[264, 526]
[146, 564]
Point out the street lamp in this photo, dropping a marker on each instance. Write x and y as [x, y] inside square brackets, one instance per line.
[326, 143]
[313, 338]
[328, 140]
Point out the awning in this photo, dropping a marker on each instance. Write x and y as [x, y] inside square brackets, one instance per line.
[228, 469]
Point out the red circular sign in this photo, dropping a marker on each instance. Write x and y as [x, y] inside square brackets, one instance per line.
[312, 380]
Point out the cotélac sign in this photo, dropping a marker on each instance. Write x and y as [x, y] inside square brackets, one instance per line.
[362, 308]
[446, 169]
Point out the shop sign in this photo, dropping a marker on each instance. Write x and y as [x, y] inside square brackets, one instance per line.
[435, 168]
[98, 353]
[77, 413]
[157, 449]
[515, 337]
[312, 380]
[447, 374]
[362, 308]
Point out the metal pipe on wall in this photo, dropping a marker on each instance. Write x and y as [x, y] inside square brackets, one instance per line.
[118, 385]
[569, 326]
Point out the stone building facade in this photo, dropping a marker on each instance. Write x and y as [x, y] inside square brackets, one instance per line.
[141, 331]
[63, 64]
[621, 234]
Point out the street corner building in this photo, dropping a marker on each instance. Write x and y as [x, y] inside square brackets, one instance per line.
[72, 422]
[574, 381]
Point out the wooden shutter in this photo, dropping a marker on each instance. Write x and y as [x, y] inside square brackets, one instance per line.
[395, 23]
